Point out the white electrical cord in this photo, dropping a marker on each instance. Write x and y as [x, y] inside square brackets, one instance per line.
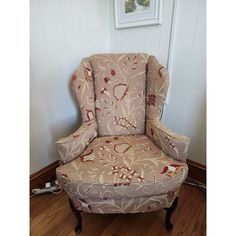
[53, 190]
[196, 184]
[56, 192]
[60, 188]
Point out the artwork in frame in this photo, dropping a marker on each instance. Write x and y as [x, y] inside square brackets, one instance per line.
[133, 13]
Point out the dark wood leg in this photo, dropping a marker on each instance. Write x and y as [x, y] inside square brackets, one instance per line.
[169, 212]
[78, 227]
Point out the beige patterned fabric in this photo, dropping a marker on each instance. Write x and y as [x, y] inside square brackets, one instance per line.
[122, 166]
[121, 159]
[157, 86]
[70, 147]
[171, 143]
[124, 204]
[120, 88]
[82, 86]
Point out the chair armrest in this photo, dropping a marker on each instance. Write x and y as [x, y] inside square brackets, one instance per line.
[72, 146]
[171, 143]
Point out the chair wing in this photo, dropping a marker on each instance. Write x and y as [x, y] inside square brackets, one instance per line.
[157, 86]
[83, 89]
[171, 143]
[72, 146]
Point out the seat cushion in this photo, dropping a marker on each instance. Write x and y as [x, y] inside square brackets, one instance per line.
[121, 166]
[120, 89]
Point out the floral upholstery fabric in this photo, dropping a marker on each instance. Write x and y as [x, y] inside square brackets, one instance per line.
[171, 143]
[70, 147]
[120, 88]
[122, 166]
[121, 159]
[83, 88]
[124, 205]
[157, 86]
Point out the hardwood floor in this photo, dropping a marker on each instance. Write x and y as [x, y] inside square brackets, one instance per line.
[51, 215]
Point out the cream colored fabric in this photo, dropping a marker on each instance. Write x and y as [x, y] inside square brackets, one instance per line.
[171, 143]
[82, 85]
[120, 88]
[122, 166]
[70, 147]
[157, 86]
[124, 204]
[121, 159]
[83, 88]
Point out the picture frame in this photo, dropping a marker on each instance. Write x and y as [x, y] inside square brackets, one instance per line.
[135, 13]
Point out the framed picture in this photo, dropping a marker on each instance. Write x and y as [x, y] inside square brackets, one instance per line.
[133, 13]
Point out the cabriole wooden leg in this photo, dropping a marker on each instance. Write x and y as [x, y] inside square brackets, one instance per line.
[78, 227]
[169, 211]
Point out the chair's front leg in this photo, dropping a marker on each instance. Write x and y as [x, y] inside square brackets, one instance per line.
[78, 227]
[169, 212]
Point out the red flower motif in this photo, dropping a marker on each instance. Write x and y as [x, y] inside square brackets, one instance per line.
[176, 165]
[146, 69]
[65, 175]
[87, 156]
[106, 79]
[152, 131]
[151, 99]
[74, 77]
[90, 114]
[172, 172]
[103, 90]
[113, 72]
[164, 170]
[87, 73]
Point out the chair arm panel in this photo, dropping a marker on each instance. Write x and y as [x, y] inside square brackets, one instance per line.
[72, 146]
[171, 143]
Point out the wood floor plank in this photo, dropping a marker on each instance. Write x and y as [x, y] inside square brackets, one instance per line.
[158, 222]
[97, 223]
[115, 227]
[130, 224]
[194, 212]
[182, 213]
[200, 224]
[146, 220]
[51, 215]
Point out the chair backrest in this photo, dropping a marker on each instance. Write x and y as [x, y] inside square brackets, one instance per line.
[119, 91]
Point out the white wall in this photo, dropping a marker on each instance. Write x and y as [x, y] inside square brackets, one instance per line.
[186, 108]
[62, 33]
[152, 39]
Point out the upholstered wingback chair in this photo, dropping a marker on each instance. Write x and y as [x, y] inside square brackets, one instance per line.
[122, 159]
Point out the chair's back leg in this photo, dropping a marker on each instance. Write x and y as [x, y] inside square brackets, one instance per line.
[169, 212]
[78, 227]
